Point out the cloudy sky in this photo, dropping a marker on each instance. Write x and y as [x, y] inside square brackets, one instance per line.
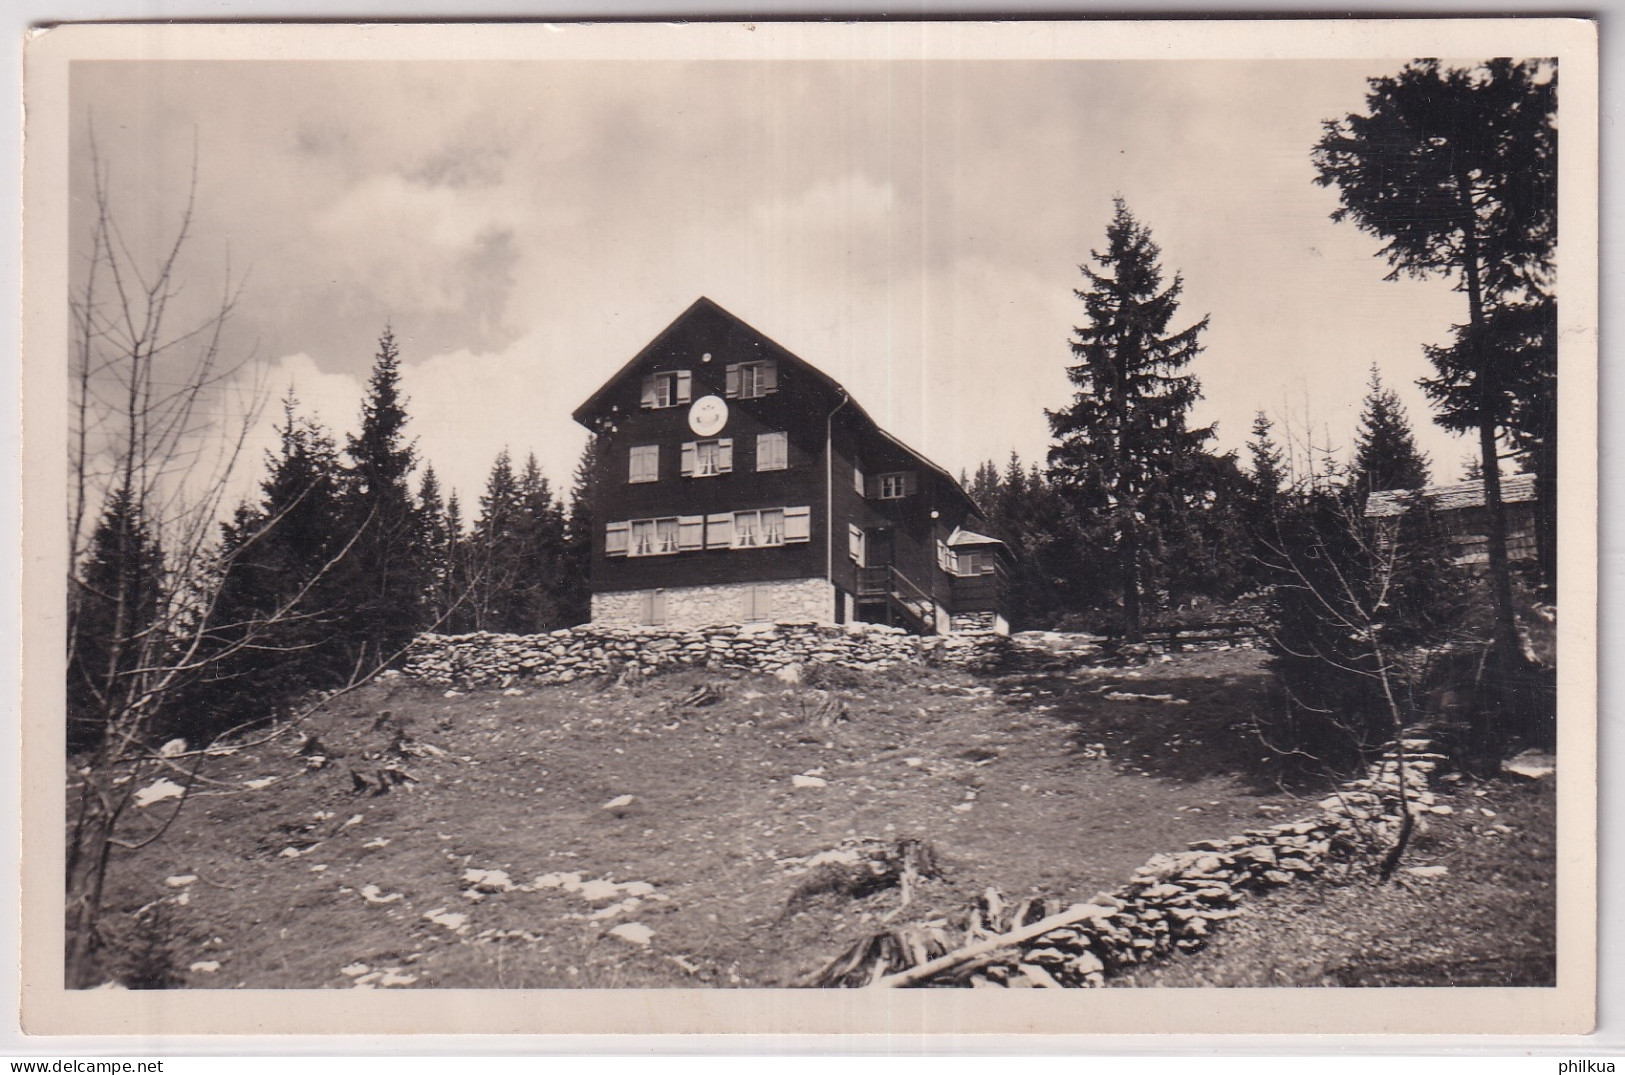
[912, 228]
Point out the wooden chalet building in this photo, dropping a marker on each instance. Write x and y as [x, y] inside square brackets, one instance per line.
[739, 483]
[1460, 509]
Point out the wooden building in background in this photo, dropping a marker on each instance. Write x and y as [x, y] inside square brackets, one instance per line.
[1460, 510]
[739, 483]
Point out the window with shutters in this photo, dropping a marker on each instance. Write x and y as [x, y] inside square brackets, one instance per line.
[752, 380]
[666, 535]
[857, 479]
[772, 526]
[708, 458]
[772, 451]
[854, 543]
[643, 537]
[747, 534]
[667, 389]
[945, 557]
[645, 466]
[652, 537]
[896, 486]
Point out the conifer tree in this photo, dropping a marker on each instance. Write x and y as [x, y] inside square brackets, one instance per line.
[1456, 171]
[385, 577]
[1267, 471]
[539, 597]
[283, 560]
[458, 599]
[1123, 446]
[575, 599]
[984, 488]
[437, 549]
[494, 548]
[118, 590]
[1385, 455]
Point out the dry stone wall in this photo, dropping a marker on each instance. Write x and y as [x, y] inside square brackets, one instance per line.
[486, 659]
[1175, 901]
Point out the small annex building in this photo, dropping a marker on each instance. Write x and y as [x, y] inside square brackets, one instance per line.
[737, 482]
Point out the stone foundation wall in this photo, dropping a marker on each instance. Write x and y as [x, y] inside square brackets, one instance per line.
[964, 622]
[486, 659]
[789, 601]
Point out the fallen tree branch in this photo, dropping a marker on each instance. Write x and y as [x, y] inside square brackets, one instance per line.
[1078, 912]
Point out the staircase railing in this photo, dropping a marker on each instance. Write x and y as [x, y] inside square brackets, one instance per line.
[885, 580]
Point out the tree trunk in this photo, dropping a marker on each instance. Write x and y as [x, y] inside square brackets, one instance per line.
[1507, 652]
[86, 877]
[1128, 566]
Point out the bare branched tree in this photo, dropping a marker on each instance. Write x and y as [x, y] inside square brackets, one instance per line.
[1361, 610]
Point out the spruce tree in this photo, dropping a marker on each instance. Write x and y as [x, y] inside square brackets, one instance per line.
[494, 549]
[437, 549]
[458, 598]
[541, 554]
[119, 589]
[385, 579]
[1267, 472]
[1123, 447]
[576, 598]
[1385, 455]
[280, 588]
[984, 488]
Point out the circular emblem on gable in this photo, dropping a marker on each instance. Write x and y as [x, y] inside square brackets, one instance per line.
[708, 415]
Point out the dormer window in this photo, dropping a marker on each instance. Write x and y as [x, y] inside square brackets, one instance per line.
[667, 389]
[708, 458]
[752, 380]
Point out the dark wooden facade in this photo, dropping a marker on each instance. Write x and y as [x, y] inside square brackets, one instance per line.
[860, 510]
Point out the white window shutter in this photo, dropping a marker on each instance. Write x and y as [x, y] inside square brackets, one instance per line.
[731, 375]
[691, 532]
[649, 391]
[689, 453]
[770, 376]
[685, 386]
[615, 535]
[857, 480]
[725, 455]
[797, 524]
[719, 530]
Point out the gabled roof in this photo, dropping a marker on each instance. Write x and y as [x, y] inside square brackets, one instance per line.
[1517, 489]
[702, 306]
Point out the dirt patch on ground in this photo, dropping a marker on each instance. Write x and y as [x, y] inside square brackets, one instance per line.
[669, 833]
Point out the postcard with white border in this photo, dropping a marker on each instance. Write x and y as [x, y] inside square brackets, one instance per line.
[816, 528]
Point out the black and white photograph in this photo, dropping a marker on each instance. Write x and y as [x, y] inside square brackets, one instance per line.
[812, 521]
